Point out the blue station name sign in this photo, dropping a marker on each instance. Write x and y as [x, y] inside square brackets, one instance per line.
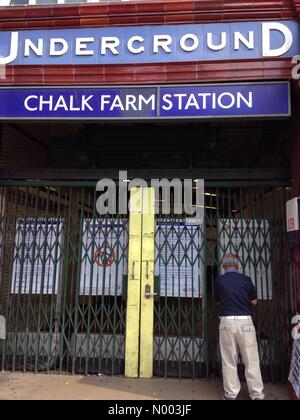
[149, 102]
[151, 44]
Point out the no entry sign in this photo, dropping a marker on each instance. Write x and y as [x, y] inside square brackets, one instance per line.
[105, 256]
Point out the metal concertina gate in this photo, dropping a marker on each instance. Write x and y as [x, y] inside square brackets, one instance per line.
[88, 294]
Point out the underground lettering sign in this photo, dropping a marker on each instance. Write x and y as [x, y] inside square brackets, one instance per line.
[151, 44]
[150, 102]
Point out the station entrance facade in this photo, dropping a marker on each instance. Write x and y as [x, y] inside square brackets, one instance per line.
[164, 90]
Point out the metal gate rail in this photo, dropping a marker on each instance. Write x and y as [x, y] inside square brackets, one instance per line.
[66, 306]
[63, 301]
[245, 220]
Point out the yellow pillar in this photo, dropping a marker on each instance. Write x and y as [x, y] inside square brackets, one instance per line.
[147, 284]
[134, 285]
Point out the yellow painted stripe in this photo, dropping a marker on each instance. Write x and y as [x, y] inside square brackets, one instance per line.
[147, 304]
[134, 285]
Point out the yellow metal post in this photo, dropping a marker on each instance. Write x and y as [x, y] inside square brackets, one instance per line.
[147, 285]
[134, 285]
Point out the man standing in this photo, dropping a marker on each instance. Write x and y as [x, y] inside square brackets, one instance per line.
[237, 295]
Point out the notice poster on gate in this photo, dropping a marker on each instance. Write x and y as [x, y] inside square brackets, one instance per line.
[37, 256]
[250, 240]
[294, 376]
[103, 257]
[179, 258]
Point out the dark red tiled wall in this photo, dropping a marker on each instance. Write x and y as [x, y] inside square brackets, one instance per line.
[140, 13]
[192, 72]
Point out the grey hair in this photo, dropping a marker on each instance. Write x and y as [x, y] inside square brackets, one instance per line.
[230, 261]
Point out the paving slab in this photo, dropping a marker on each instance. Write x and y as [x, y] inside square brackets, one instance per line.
[26, 386]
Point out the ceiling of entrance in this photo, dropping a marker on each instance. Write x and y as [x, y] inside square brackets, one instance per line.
[261, 144]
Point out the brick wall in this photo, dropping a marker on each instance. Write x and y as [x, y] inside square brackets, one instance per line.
[20, 152]
[296, 179]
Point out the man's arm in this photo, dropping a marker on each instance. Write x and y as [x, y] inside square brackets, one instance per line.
[252, 293]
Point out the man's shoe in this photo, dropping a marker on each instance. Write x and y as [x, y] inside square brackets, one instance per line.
[225, 397]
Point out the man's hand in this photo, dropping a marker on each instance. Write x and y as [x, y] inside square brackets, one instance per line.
[254, 302]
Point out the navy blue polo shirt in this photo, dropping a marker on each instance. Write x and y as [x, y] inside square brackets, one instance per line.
[234, 292]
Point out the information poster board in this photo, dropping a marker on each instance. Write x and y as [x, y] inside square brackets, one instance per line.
[37, 256]
[294, 376]
[104, 257]
[250, 240]
[179, 258]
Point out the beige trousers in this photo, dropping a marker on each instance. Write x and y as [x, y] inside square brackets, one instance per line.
[234, 335]
[2, 328]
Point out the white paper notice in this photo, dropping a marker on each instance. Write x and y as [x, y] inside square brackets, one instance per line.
[104, 257]
[179, 264]
[37, 256]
